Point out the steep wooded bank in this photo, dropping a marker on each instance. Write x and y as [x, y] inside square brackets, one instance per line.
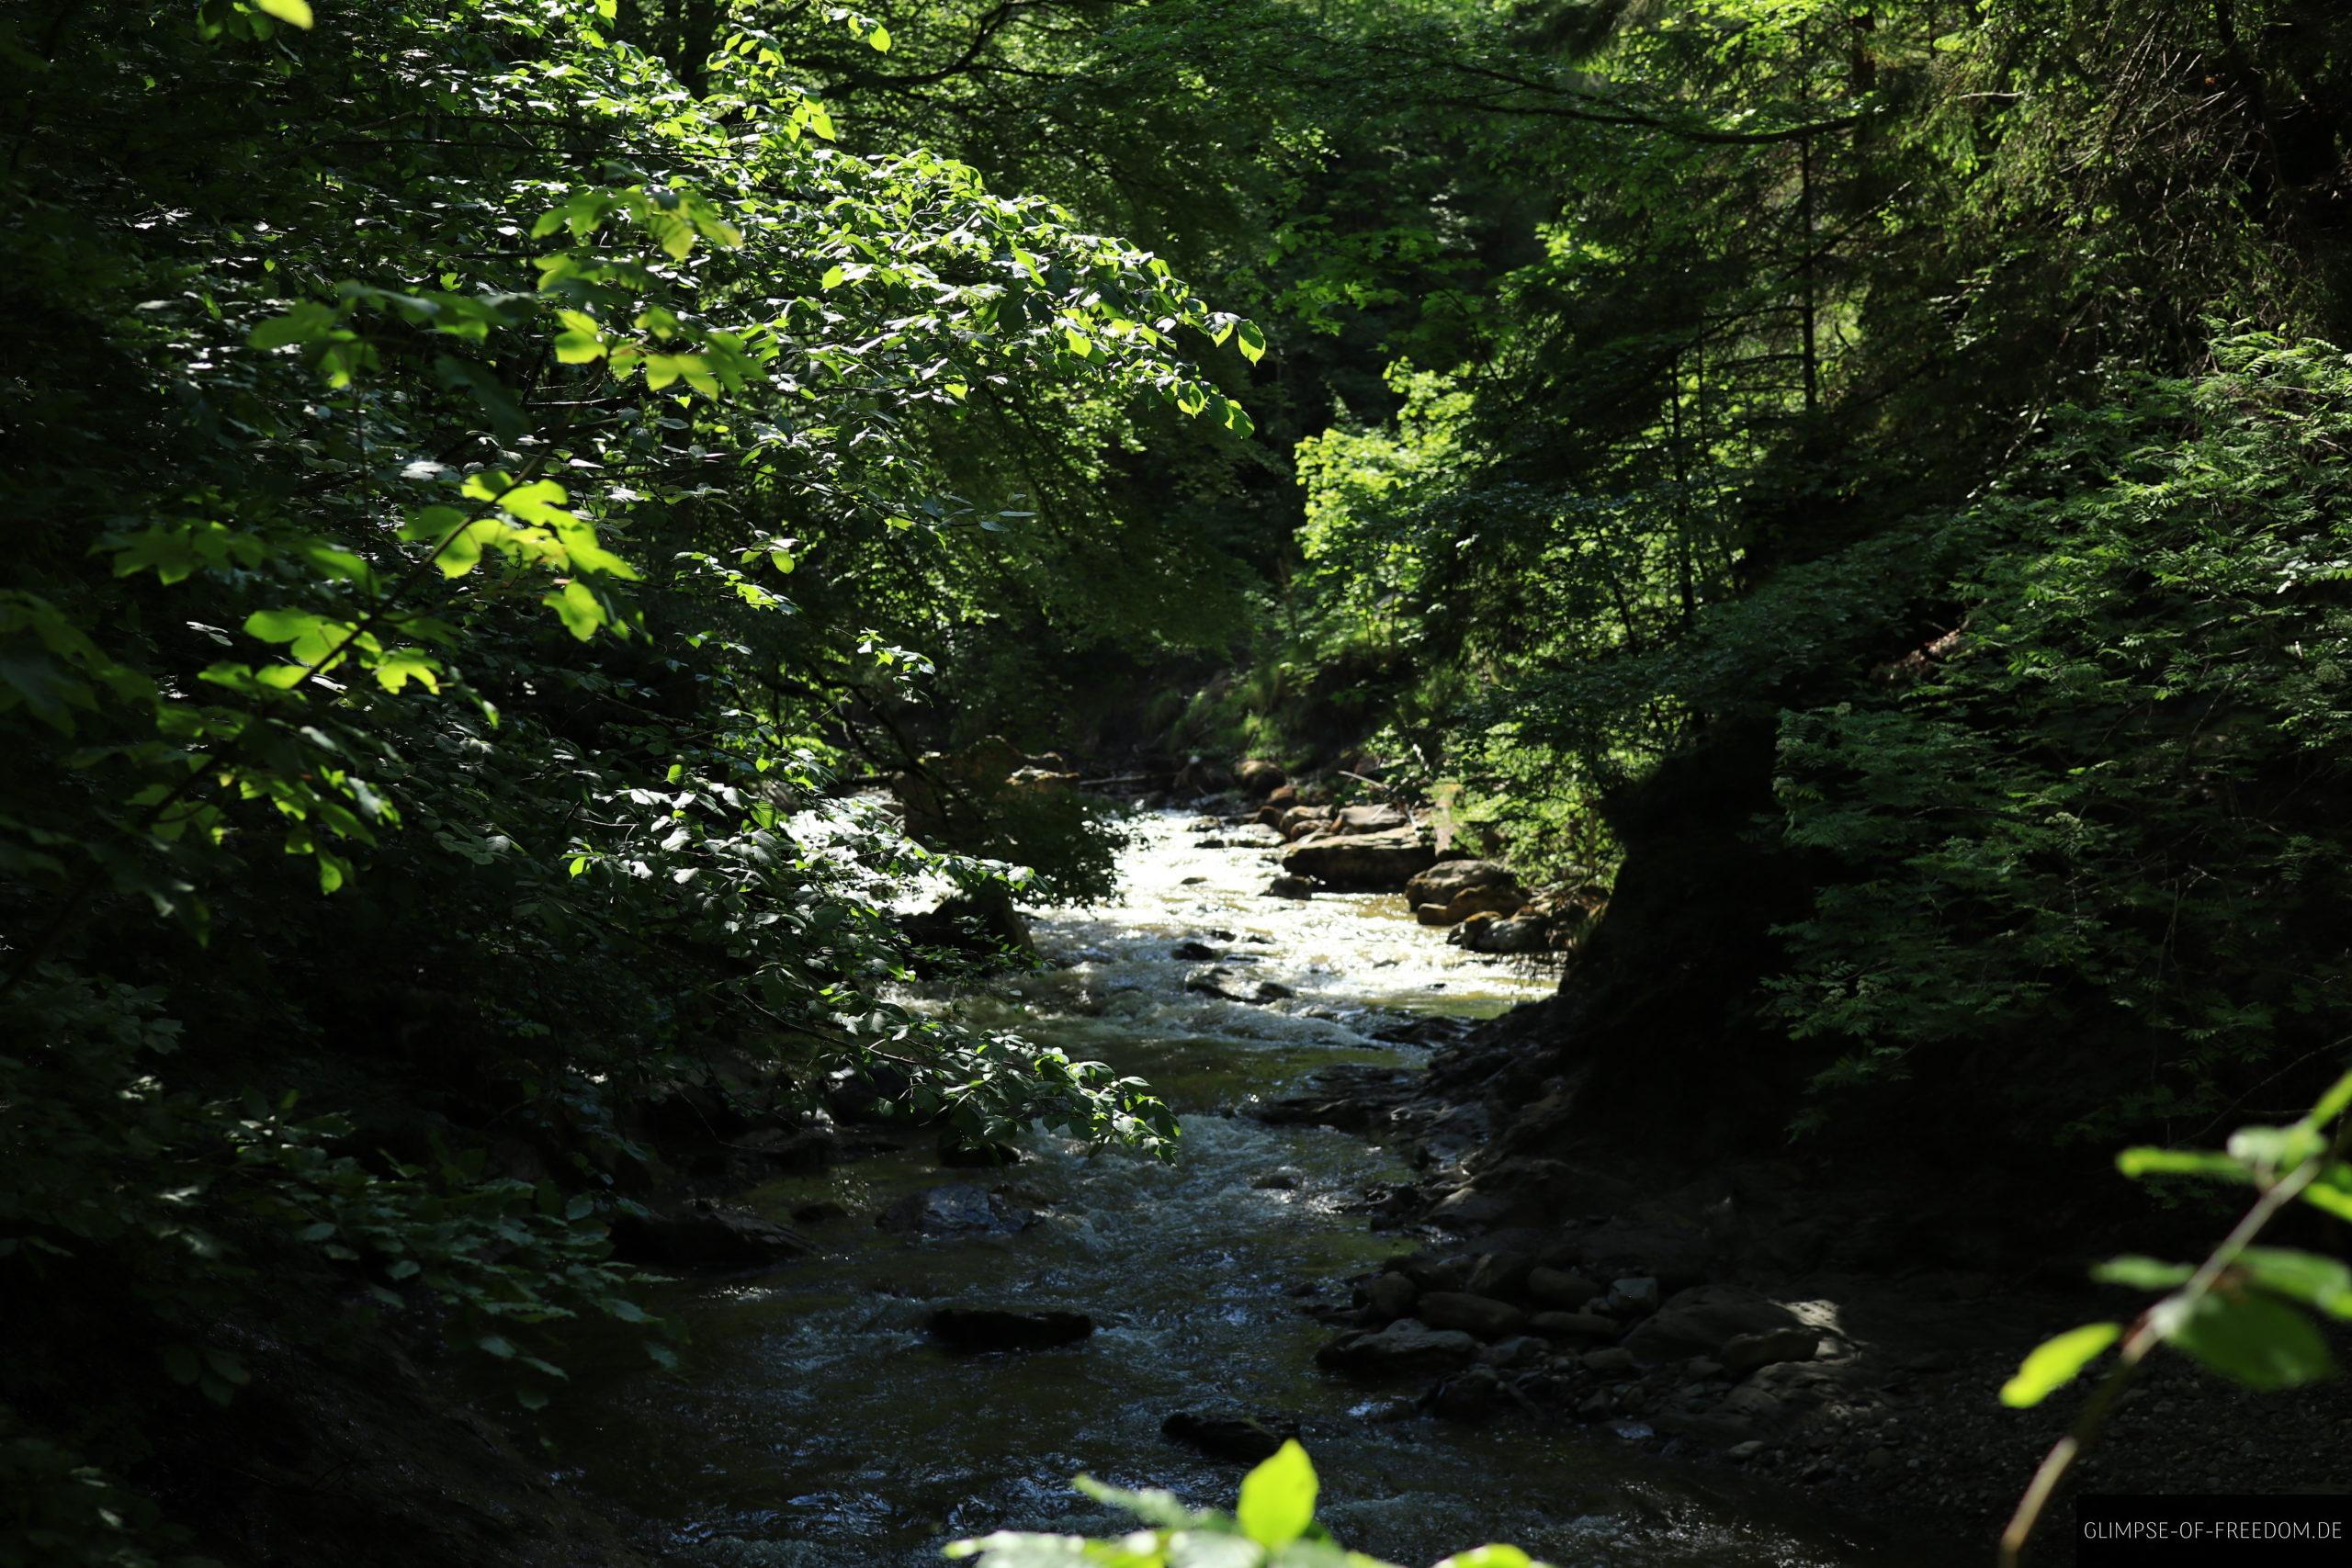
[1893, 521]
[502, 483]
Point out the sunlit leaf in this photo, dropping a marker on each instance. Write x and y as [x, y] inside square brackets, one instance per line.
[2057, 1362]
[1278, 1497]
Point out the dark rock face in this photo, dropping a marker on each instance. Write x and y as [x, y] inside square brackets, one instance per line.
[1574, 1327]
[1488, 932]
[1387, 1297]
[1470, 1397]
[994, 1329]
[1300, 821]
[1259, 776]
[1290, 886]
[1376, 862]
[1242, 1439]
[979, 924]
[1350, 1096]
[1406, 1347]
[1482, 1316]
[802, 1150]
[1194, 951]
[1224, 983]
[1747, 1353]
[704, 1235]
[959, 1152]
[1441, 881]
[959, 1208]
[1703, 1320]
[1469, 904]
[1563, 1289]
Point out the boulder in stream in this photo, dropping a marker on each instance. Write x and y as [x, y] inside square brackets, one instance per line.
[1574, 1327]
[1297, 822]
[976, 924]
[1489, 932]
[1242, 1439]
[995, 1328]
[958, 1208]
[1703, 1320]
[1260, 776]
[1387, 1297]
[1482, 1316]
[1223, 983]
[1747, 1353]
[1290, 886]
[802, 1149]
[1408, 1347]
[1442, 882]
[1471, 1398]
[704, 1236]
[1468, 903]
[1375, 862]
[1563, 1289]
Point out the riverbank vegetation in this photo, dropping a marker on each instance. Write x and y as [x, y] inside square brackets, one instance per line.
[502, 485]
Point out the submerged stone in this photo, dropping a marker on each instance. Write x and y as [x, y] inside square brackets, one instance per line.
[994, 1328]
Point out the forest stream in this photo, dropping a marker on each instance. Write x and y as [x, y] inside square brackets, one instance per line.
[813, 1420]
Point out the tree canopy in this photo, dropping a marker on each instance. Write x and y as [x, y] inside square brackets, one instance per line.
[501, 484]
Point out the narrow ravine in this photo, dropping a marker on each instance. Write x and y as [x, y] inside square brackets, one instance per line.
[813, 1420]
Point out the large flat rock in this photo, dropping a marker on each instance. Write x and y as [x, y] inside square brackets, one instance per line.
[1380, 862]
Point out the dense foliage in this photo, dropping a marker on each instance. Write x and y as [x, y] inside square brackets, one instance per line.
[1882, 492]
[502, 483]
[484, 495]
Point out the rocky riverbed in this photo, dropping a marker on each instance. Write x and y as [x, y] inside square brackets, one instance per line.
[955, 1345]
[1843, 1337]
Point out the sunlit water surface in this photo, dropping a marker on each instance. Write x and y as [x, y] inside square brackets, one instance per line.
[812, 1422]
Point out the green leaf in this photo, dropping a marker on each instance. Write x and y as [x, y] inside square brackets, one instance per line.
[300, 324]
[879, 38]
[2253, 1340]
[2143, 1273]
[2056, 1362]
[398, 668]
[1278, 1498]
[579, 608]
[577, 348]
[2333, 1191]
[1251, 341]
[2277, 1148]
[1491, 1557]
[1152, 1505]
[2306, 1276]
[281, 626]
[296, 13]
[2332, 1104]
[2139, 1162]
[497, 1345]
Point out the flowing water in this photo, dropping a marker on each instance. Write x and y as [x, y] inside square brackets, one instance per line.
[812, 1422]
